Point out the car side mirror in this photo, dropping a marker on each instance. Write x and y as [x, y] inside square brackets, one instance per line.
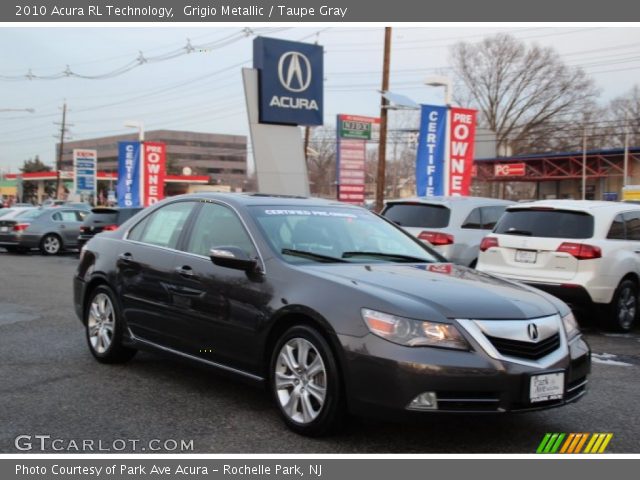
[232, 257]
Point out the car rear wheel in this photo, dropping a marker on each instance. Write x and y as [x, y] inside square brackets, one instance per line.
[306, 383]
[51, 244]
[623, 310]
[105, 329]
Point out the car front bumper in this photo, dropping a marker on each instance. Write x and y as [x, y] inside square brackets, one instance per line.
[383, 378]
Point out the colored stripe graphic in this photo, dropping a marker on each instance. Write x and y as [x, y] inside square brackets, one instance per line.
[574, 443]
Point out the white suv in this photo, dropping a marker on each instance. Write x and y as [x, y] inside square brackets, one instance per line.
[583, 252]
[453, 226]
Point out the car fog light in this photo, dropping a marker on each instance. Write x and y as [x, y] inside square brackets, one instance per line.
[424, 401]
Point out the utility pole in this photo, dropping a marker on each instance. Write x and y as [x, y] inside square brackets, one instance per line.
[584, 163]
[63, 130]
[625, 175]
[382, 148]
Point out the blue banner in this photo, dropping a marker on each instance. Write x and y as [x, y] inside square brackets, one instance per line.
[128, 187]
[430, 174]
[290, 81]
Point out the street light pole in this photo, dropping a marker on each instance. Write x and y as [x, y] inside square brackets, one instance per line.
[584, 163]
[442, 81]
[140, 126]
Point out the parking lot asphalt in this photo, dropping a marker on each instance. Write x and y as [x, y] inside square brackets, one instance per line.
[51, 385]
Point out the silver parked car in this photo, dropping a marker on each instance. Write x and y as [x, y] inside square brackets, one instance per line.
[455, 226]
[51, 230]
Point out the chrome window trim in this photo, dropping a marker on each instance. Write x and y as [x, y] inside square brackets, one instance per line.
[125, 237]
[473, 329]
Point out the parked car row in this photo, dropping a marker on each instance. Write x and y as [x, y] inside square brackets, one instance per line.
[585, 252]
[57, 228]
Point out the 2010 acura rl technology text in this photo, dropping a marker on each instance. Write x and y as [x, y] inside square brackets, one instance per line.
[335, 309]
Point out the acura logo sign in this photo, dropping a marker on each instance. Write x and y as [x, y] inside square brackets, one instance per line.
[532, 330]
[294, 71]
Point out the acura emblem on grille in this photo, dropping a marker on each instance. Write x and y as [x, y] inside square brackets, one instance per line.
[532, 330]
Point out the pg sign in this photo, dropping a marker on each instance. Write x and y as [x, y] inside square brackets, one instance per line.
[290, 81]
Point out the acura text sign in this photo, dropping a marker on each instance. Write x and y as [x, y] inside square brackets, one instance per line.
[290, 81]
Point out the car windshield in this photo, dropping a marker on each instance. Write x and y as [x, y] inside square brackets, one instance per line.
[337, 235]
[418, 215]
[547, 223]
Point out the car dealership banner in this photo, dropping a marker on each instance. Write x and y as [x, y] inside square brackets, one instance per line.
[154, 168]
[85, 168]
[430, 160]
[462, 137]
[290, 81]
[128, 187]
[444, 161]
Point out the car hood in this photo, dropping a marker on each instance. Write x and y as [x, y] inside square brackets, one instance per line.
[453, 291]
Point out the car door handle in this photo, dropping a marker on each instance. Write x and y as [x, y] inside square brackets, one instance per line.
[127, 257]
[186, 271]
[636, 251]
[63, 226]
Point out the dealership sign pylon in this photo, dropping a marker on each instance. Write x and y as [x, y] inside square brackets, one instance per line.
[141, 173]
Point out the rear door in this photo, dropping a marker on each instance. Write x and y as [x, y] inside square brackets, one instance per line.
[67, 224]
[145, 272]
[529, 239]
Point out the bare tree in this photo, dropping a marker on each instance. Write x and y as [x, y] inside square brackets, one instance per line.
[321, 161]
[624, 113]
[526, 94]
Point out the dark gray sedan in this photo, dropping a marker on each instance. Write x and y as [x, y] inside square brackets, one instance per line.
[331, 307]
[51, 230]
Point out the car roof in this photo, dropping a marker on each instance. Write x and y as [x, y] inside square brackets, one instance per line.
[454, 200]
[591, 206]
[252, 199]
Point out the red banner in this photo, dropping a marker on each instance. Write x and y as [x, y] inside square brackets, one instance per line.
[154, 172]
[462, 137]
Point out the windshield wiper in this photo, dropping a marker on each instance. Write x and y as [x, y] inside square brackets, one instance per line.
[312, 255]
[515, 231]
[408, 258]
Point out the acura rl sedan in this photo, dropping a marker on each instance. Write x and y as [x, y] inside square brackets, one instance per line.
[333, 308]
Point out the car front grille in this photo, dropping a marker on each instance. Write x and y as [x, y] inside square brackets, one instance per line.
[528, 350]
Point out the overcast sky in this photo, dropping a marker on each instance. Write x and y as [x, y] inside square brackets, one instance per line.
[202, 91]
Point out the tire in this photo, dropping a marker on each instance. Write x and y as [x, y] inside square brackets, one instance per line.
[51, 244]
[104, 328]
[310, 404]
[622, 312]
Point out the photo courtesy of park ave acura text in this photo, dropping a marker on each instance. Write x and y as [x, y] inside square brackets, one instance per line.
[301, 236]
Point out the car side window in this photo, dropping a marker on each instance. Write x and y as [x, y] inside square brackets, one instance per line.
[218, 226]
[56, 217]
[473, 220]
[81, 215]
[491, 215]
[632, 225]
[164, 226]
[616, 232]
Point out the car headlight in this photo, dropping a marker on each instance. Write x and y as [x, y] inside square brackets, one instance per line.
[413, 333]
[570, 325]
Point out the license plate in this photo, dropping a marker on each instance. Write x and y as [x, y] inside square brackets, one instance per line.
[4, 229]
[545, 387]
[526, 256]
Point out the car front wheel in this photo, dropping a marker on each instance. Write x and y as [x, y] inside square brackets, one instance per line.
[305, 382]
[623, 310]
[104, 328]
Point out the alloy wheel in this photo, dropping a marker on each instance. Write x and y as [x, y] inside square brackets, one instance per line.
[627, 304]
[51, 244]
[101, 323]
[300, 380]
